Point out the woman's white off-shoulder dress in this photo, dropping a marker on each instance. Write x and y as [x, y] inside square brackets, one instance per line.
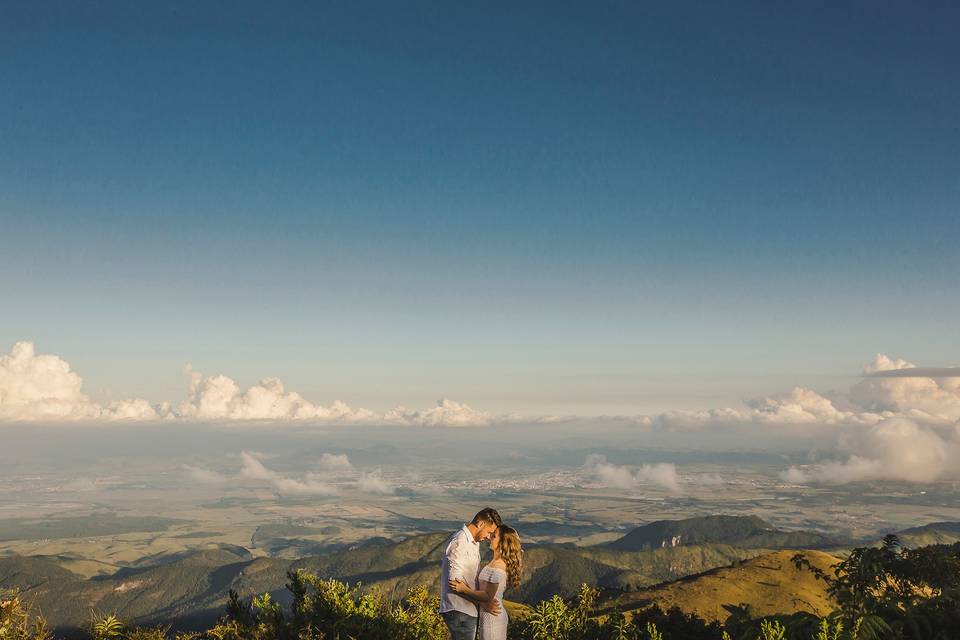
[494, 627]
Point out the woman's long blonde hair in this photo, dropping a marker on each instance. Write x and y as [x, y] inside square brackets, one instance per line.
[512, 554]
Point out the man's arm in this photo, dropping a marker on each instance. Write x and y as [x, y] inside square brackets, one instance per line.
[455, 558]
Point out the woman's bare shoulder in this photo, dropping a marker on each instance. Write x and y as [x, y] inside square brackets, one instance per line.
[497, 564]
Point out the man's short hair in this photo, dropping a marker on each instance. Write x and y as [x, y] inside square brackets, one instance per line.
[487, 514]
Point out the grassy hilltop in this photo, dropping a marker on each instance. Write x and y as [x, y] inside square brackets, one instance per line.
[772, 584]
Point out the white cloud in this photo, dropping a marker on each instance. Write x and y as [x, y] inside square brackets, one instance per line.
[799, 406]
[220, 398]
[447, 413]
[374, 482]
[335, 462]
[254, 469]
[929, 400]
[621, 477]
[918, 397]
[310, 484]
[663, 474]
[42, 387]
[896, 449]
[894, 427]
[206, 476]
[686, 420]
[136, 409]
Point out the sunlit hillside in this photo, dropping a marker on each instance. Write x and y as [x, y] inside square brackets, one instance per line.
[770, 584]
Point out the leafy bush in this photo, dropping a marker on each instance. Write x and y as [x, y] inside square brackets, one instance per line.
[332, 610]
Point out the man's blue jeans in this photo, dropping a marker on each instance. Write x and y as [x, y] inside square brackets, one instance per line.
[462, 626]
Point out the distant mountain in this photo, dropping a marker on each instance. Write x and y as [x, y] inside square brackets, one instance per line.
[770, 584]
[740, 531]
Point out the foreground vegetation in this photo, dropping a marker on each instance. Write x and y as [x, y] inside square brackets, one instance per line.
[880, 592]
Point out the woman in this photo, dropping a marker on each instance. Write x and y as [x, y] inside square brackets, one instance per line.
[503, 571]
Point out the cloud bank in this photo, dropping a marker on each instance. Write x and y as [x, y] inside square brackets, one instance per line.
[900, 422]
[43, 387]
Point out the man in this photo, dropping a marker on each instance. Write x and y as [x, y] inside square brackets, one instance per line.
[461, 559]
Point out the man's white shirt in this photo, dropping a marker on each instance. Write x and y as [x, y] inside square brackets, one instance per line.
[461, 559]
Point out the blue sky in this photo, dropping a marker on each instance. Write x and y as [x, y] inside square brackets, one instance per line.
[553, 208]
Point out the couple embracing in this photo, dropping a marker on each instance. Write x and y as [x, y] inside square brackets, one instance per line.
[471, 596]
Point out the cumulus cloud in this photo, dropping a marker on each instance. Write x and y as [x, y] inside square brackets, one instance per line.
[799, 406]
[42, 387]
[374, 482]
[447, 413]
[220, 398]
[896, 449]
[621, 477]
[899, 423]
[918, 397]
[891, 388]
[309, 484]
